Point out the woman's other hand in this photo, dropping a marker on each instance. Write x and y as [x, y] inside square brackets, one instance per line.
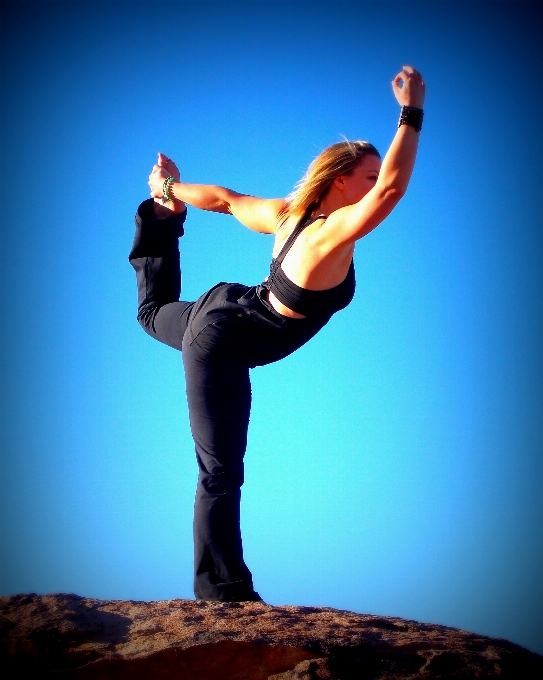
[169, 166]
[412, 89]
[164, 168]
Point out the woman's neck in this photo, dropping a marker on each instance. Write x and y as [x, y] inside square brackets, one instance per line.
[330, 203]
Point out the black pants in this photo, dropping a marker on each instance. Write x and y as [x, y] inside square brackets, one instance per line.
[227, 331]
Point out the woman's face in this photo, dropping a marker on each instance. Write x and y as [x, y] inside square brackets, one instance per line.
[361, 180]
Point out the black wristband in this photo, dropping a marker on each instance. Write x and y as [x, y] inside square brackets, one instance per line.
[411, 116]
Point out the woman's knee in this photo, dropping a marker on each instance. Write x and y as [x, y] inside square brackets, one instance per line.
[146, 317]
[166, 323]
[221, 483]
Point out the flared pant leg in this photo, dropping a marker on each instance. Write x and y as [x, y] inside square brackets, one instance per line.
[219, 399]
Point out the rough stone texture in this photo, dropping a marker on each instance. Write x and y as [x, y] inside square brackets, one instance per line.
[66, 636]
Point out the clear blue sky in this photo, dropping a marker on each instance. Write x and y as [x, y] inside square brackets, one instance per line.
[394, 463]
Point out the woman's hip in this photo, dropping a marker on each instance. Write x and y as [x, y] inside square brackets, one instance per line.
[233, 322]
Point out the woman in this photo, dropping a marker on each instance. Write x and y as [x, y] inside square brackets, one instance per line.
[345, 194]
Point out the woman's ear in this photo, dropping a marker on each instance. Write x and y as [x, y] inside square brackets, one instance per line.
[339, 182]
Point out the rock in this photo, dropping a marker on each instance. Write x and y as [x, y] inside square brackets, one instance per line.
[67, 636]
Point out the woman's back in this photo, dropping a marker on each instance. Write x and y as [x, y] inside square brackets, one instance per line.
[310, 263]
[304, 278]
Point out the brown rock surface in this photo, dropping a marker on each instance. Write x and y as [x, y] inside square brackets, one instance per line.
[66, 636]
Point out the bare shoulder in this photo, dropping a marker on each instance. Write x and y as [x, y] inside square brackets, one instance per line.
[271, 209]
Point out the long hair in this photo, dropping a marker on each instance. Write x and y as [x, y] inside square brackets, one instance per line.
[338, 159]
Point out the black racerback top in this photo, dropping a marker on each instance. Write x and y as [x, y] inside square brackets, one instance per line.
[303, 300]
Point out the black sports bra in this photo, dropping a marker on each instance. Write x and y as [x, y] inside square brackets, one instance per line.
[302, 300]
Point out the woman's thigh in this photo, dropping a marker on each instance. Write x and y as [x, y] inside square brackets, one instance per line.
[219, 400]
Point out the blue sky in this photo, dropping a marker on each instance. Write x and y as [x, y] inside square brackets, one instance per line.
[395, 462]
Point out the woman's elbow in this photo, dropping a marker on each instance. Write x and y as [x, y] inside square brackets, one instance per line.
[394, 194]
[386, 200]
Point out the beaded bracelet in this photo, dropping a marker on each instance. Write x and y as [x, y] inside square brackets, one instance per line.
[411, 116]
[166, 189]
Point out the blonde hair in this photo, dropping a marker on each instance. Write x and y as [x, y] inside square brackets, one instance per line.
[338, 159]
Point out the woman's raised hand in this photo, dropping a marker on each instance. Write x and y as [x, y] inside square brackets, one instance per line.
[412, 89]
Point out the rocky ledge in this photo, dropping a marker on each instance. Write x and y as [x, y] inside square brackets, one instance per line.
[66, 636]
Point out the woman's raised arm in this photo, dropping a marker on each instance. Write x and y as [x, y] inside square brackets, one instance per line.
[258, 214]
[352, 222]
